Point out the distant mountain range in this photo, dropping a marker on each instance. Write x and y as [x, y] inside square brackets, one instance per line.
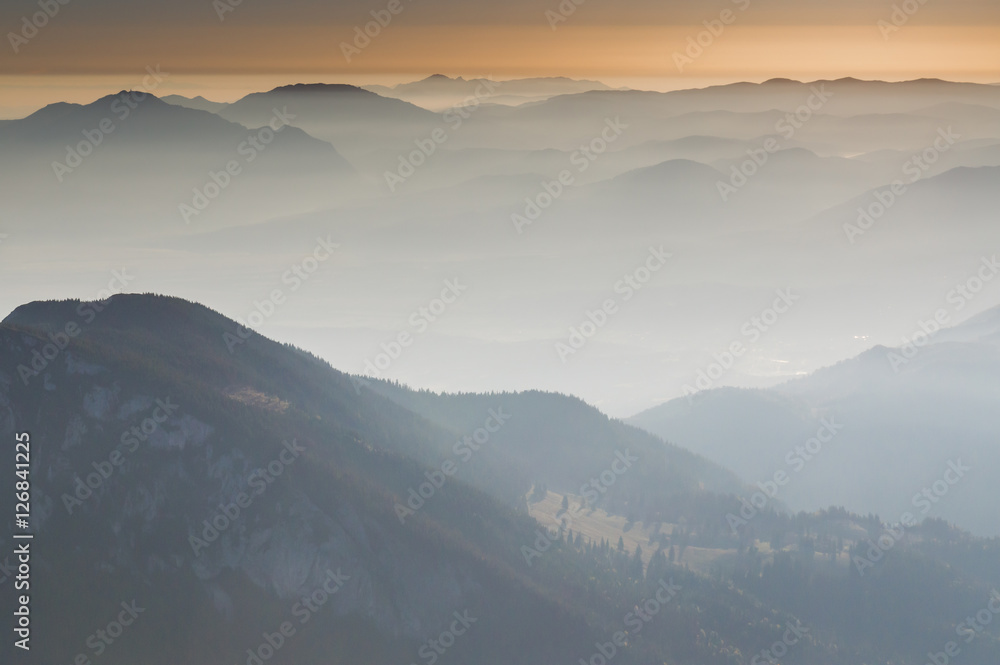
[907, 413]
[439, 92]
[354, 120]
[199, 103]
[385, 174]
[131, 161]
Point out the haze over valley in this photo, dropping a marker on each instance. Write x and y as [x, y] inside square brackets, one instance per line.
[440, 333]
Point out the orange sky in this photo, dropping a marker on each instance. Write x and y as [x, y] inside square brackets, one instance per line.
[51, 67]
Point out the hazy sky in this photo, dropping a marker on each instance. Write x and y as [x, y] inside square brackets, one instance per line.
[91, 46]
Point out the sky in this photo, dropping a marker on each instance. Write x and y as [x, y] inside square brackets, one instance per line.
[224, 49]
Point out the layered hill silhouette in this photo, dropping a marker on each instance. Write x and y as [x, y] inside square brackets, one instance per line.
[129, 162]
[438, 92]
[250, 502]
[908, 414]
[354, 120]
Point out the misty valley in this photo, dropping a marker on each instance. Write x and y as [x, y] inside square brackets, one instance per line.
[471, 370]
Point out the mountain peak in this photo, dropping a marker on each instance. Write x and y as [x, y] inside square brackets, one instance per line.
[320, 88]
[140, 94]
[147, 309]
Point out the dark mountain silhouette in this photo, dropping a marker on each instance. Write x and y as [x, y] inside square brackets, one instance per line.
[97, 162]
[197, 102]
[354, 120]
[223, 495]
